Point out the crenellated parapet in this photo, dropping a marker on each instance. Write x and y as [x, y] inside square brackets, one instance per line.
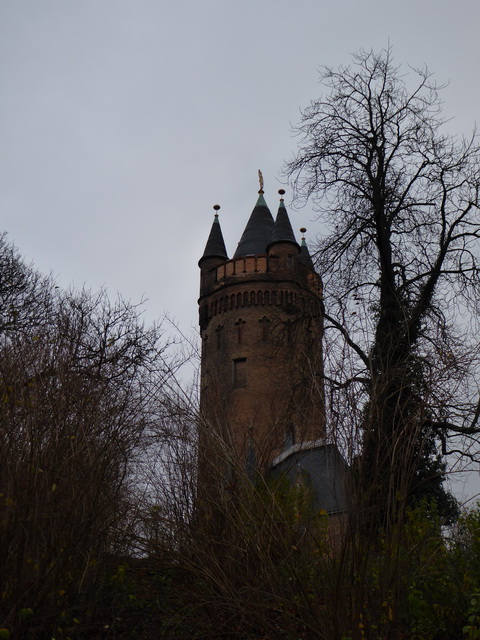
[243, 266]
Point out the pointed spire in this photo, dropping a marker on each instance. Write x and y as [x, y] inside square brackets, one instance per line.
[259, 228]
[304, 256]
[215, 247]
[282, 230]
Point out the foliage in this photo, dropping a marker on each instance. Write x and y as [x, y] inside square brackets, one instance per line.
[472, 629]
[271, 567]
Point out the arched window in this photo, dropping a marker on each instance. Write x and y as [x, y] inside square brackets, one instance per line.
[239, 373]
[240, 324]
[219, 334]
[264, 327]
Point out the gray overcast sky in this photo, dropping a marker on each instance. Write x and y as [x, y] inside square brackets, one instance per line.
[123, 121]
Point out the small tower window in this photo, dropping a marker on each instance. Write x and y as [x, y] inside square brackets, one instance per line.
[239, 373]
[219, 334]
[265, 326]
[289, 331]
[240, 325]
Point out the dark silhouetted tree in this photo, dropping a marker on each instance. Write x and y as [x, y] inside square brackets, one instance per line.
[399, 197]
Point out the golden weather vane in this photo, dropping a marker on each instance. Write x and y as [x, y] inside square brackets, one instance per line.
[260, 179]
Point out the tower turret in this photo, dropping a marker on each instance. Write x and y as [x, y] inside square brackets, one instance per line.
[282, 249]
[305, 257]
[282, 229]
[214, 255]
[258, 231]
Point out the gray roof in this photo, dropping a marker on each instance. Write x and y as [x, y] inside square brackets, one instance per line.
[305, 257]
[258, 232]
[215, 247]
[324, 469]
[282, 229]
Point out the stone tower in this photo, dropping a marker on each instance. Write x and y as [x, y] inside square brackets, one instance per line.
[261, 329]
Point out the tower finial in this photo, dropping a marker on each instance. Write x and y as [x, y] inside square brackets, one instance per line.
[260, 179]
[282, 193]
[216, 208]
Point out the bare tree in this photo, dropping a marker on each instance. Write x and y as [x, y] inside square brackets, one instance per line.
[79, 379]
[399, 197]
[25, 294]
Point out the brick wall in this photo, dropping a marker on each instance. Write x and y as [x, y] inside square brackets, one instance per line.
[262, 365]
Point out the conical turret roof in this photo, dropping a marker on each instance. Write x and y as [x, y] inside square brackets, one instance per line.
[215, 247]
[258, 232]
[282, 229]
[305, 257]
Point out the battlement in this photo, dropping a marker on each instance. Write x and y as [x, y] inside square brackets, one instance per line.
[242, 266]
[259, 268]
